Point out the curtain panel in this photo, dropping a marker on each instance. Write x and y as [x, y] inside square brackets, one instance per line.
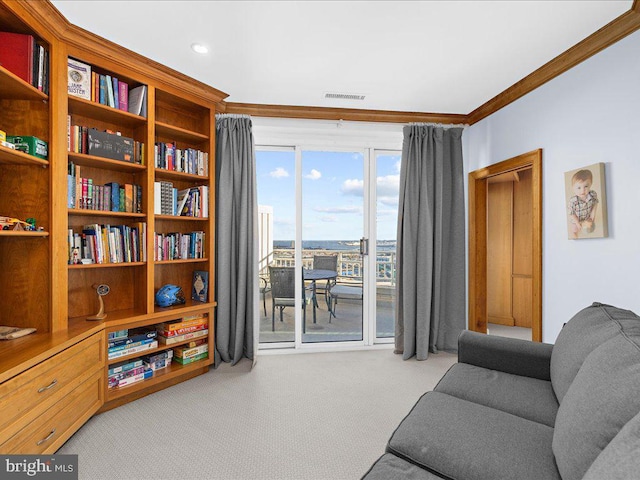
[430, 290]
[236, 244]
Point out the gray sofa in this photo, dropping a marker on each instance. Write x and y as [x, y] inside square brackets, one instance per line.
[519, 410]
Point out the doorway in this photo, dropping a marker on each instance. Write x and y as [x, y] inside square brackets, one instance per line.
[505, 255]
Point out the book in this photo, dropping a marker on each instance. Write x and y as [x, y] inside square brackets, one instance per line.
[187, 352]
[181, 338]
[200, 286]
[138, 100]
[123, 96]
[125, 366]
[185, 322]
[185, 361]
[110, 98]
[167, 354]
[131, 351]
[158, 364]
[182, 331]
[17, 54]
[134, 338]
[78, 79]
[129, 346]
[116, 378]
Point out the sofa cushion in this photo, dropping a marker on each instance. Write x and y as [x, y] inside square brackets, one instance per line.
[587, 329]
[604, 396]
[464, 440]
[390, 467]
[621, 459]
[525, 397]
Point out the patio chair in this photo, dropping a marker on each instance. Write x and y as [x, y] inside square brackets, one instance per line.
[283, 294]
[325, 262]
[346, 292]
[265, 287]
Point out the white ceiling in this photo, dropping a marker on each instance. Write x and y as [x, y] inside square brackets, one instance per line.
[419, 56]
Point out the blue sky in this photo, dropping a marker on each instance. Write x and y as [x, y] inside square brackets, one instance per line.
[332, 193]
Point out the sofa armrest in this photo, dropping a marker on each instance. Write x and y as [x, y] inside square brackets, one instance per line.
[509, 355]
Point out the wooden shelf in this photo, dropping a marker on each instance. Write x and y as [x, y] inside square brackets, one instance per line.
[170, 175]
[181, 260]
[106, 163]
[105, 265]
[174, 370]
[13, 87]
[87, 108]
[180, 218]
[105, 213]
[178, 133]
[13, 233]
[15, 157]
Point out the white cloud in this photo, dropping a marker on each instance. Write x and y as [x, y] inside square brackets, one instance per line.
[279, 173]
[338, 209]
[389, 202]
[313, 175]
[397, 166]
[353, 186]
[388, 186]
[329, 218]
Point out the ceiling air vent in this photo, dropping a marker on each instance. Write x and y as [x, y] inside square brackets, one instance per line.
[344, 96]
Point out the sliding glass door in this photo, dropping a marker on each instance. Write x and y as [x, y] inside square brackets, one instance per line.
[321, 211]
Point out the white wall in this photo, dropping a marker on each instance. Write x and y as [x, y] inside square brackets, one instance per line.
[587, 115]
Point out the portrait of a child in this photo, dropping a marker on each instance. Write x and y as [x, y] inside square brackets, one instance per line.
[586, 217]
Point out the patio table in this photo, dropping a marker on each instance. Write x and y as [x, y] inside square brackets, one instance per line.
[313, 275]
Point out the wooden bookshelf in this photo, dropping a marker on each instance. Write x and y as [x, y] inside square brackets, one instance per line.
[46, 292]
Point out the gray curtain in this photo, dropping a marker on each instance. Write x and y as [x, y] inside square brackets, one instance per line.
[236, 252]
[430, 290]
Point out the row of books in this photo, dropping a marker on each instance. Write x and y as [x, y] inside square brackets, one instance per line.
[168, 157]
[101, 244]
[106, 144]
[138, 369]
[189, 202]
[26, 58]
[174, 246]
[83, 193]
[105, 89]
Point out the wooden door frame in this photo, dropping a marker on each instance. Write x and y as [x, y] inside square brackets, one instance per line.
[478, 181]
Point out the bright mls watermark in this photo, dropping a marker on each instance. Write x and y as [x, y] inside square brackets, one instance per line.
[52, 467]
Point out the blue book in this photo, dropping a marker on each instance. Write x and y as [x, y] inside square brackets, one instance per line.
[116, 100]
[71, 191]
[125, 366]
[115, 196]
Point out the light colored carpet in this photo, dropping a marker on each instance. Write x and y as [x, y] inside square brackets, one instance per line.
[308, 416]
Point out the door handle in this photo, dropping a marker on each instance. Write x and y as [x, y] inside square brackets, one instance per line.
[364, 246]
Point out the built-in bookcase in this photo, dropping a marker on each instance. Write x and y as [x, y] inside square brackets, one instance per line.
[40, 283]
[25, 273]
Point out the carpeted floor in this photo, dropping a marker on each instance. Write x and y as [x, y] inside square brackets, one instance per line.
[308, 416]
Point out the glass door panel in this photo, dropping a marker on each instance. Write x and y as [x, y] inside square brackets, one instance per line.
[333, 200]
[387, 185]
[276, 182]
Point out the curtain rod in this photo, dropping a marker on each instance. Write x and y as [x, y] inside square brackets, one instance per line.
[443, 125]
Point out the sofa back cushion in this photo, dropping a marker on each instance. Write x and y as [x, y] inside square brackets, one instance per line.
[588, 329]
[620, 460]
[603, 397]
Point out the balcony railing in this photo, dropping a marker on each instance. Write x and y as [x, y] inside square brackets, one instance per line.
[349, 264]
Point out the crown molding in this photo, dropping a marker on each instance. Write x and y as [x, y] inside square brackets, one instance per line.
[615, 30]
[348, 114]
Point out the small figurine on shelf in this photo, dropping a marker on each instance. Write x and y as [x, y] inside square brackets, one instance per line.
[101, 290]
[75, 256]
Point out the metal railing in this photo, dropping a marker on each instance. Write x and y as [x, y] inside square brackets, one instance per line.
[349, 263]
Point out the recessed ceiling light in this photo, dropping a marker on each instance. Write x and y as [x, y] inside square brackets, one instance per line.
[199, 48]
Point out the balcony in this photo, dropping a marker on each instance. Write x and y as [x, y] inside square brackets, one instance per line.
[348, 323]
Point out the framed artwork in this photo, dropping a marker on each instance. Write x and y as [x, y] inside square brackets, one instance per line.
[586, 202]
[200, 286]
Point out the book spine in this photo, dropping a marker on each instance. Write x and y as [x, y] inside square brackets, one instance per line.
[182, 331]
[123, 96]
[191, 352]
[116, 93]
[186, 322]
[125, 366]
[133, 339]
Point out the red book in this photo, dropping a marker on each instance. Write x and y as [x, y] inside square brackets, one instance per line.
[123, 96]
[16, 54]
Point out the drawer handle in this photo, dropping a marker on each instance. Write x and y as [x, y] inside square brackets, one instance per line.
[51, 385]
[47, 438]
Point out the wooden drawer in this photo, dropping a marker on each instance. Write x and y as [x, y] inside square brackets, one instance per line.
[54, 426]
[27, 395]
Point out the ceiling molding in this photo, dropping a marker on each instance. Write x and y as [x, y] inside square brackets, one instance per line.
[350, 114]
[617, 29]
[80, 39]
